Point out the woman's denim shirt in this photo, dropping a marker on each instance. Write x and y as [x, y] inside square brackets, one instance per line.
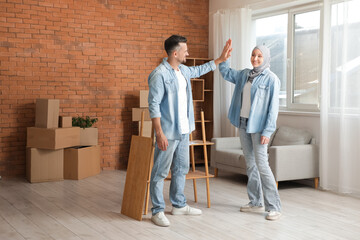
[264, 99]
[163, 96]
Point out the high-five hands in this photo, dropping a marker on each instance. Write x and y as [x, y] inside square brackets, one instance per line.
[226, 53]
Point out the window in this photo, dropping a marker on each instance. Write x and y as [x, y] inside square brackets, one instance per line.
[272, 32]
[306, 56]
[294, 41]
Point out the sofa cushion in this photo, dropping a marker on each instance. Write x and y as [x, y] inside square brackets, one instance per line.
[271, 139]
[232, 157]
[291, 136]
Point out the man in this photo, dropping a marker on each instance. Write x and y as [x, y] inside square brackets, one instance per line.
[172, 115]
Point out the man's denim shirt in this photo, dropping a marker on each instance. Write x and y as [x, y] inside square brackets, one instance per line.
[264, 99]
[163, 96]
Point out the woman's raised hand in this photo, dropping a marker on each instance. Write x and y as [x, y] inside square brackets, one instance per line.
[227, 50]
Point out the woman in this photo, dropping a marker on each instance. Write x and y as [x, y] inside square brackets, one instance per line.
[254, 110]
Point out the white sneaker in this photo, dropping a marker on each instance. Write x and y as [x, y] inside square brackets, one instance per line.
[251, 208]
[273, 215]
[187, 210]
[160, 219]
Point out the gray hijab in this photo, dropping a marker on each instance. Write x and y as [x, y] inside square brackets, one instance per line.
[266, 63]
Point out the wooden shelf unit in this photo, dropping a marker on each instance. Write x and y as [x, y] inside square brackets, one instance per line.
[197, 86]
[202, 92]
[200, 138]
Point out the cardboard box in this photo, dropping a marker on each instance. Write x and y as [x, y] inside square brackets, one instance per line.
[47, 113]
[136, 114]
[65, 122]
[81, 162]
[144, 94]
[53, 138]
[44, 165]
[88, 136]
[146, 128]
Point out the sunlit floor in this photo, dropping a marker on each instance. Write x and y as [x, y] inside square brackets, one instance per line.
[90, 209]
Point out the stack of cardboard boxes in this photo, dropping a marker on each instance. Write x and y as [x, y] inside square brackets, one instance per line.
[84, 160]
[50, 146]
[136, 113]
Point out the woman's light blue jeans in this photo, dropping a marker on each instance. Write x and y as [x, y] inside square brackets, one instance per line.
[176, 158]
[261, 182]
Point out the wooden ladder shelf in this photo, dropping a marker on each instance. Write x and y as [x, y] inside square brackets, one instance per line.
[195, 174]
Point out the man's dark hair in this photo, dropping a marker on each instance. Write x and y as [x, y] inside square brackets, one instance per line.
[173, 42]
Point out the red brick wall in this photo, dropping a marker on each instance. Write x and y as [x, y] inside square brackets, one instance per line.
[93, 55]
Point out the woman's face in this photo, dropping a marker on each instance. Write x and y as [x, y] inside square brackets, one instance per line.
[256, 58]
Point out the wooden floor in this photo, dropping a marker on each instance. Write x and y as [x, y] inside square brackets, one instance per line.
[90, 209]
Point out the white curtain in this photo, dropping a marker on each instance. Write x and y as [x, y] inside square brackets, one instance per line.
[234, 24]
[340, 98]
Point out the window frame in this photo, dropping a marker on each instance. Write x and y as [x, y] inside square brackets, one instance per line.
[291, 12]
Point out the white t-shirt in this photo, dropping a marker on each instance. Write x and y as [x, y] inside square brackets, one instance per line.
[246, 100]
[182, 103]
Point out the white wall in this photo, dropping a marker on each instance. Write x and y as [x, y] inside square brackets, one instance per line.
[215, 5]
[310, 122]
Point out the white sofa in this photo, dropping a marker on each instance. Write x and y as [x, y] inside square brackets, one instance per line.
[293, 155]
